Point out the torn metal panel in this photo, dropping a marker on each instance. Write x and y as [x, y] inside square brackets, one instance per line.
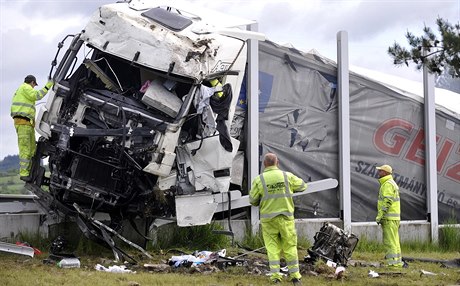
[17, 249]
[195, 210]
[158, 97]
[211, 17]
[211, 164]
[125, 33]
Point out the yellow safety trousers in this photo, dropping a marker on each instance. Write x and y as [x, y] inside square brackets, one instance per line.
[391, 244]
[280, 235]
[26, 143]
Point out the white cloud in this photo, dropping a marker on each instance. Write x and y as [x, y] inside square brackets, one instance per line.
[38, 24]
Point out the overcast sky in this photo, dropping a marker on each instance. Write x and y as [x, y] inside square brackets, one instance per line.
[30, 31]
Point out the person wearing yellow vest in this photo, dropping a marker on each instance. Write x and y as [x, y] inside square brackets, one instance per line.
[23, 113]
[272, 191]
[389, 216]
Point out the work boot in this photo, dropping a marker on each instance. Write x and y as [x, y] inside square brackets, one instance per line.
[276, 281]
[26, 179]
[296, 282]
[405, 265]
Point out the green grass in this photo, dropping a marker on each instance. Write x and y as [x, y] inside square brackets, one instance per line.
[450, 244]
[21, 270]
[449, 235]
[193, 238]
[303, 243]
[252, 240]
[11, 184]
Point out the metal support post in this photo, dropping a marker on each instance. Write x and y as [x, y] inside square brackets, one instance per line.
[253, 118]
[430, 152]
[343, 81]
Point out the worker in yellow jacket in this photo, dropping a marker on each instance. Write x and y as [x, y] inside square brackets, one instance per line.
[272, 191]
[389, 216]
[23, 113]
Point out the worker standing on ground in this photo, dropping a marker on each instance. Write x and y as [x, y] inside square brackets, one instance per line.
[272, 192]
[388, 216]
[23, 113]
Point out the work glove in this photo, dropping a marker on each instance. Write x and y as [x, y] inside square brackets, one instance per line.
[378, 220]
[49, 84]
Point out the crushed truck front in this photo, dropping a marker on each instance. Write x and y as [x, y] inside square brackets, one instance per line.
[141, 112]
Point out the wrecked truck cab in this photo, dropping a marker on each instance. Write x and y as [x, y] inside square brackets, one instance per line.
[140, 113]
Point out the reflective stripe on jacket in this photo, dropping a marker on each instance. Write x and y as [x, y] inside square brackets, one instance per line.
[388, 206]
[24, 100]
[272, 191]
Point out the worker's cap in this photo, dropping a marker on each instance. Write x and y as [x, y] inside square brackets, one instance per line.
[386, 168]
[30, 78]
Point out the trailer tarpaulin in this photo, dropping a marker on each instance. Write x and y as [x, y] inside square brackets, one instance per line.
[299, 122]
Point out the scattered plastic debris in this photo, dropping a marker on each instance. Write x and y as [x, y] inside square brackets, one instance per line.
[196, 258]
[69, 263]
[331, 263]
[373, 274]
[36, 250]
[339, 272]
[113, 269]
[423, 272]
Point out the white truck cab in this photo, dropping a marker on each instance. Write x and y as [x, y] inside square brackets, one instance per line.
[141, 111]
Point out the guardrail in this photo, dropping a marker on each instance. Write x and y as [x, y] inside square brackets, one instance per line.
[18, 204]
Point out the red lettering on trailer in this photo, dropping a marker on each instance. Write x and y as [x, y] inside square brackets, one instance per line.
[453, 171]
[444, 153]
[391, 136]
[416, 152]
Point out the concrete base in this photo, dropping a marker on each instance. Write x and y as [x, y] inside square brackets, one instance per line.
[14, 224]
[307, 228]
[409, 231]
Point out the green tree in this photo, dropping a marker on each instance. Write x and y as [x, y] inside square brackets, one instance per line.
[441, 54]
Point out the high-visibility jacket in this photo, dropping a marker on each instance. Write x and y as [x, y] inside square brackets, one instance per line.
[216, 83]
[24, 100]
[272, 191]
[388, 206]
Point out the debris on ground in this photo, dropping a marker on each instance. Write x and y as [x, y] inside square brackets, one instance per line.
[331, 264]
[340, 272]
[36, 250]
[17, 249]
[323, 269]
[114, 269]
[332, 244]
[372, 274]
[362, 263]
[70, 262]
[157, 267]
[423, 272]
[453, 263]
[197, 258]
[60, 254]
[391, 273]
